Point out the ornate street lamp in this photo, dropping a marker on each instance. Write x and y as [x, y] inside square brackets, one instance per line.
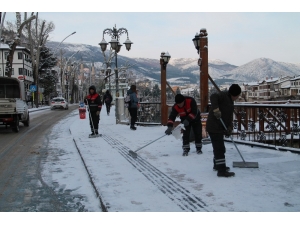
[116, 46]
[164, 59]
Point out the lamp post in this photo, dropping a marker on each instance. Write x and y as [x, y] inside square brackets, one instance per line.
[116, 46]
[164, 59]
[200, 42]
[106, 72]
[56, 48]
[63, 69]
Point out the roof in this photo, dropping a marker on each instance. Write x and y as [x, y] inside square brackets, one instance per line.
[286, 86]
[6, 47]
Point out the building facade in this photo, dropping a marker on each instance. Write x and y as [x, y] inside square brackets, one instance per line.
[21, 66]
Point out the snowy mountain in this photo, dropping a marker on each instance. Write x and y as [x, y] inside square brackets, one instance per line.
[184, 70]
[261, 68]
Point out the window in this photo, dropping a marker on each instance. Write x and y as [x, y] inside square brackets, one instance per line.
[20, 71]
[5, 55]
[20, 55]
[9, 91]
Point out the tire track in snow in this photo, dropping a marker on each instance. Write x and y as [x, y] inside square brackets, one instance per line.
[173, 190]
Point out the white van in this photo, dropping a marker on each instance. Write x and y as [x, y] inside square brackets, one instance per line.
[13, 107]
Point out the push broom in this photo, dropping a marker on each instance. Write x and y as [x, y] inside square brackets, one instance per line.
[134, 154]
[243, 164]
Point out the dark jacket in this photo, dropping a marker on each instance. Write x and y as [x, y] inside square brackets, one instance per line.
[223, 101]
[94, 100]
[133, 99]
[189, 111]
[107, 98]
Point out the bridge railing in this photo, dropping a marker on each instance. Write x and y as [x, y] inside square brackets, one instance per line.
[270, 124]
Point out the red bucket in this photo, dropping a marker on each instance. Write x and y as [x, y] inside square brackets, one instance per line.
[82, 112]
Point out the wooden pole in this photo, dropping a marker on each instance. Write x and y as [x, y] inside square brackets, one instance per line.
[163, 81]
[203, 49]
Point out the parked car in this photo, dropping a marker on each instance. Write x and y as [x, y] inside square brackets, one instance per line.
[59, 103]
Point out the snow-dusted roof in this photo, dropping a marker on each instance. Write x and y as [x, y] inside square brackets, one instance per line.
[286, 86]
[272, 80]
[296, 78]
[6, 46]
[251, 84]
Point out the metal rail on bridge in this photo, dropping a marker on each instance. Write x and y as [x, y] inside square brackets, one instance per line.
[274, 124]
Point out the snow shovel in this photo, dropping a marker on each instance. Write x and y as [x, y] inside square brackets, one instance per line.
[134, 154]
[240, 164]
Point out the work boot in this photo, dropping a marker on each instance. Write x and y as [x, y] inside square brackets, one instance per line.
[132, 128]
[185, 152]
[199, 151]
[199, 148]
[92, 134]
[225, 174]
[215, 168]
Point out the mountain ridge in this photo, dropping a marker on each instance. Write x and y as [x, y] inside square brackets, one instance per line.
[177, 68]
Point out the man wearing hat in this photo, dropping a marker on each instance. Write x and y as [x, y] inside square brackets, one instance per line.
[186, 108]
[222, 106]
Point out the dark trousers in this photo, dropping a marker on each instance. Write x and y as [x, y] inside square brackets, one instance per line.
[95, 119]
[217, 141]
[133, 115]
[197, 129]
[107, 107]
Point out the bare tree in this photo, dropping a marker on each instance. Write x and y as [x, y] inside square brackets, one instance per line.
[16, 41]
[37, 34]
[1, 23]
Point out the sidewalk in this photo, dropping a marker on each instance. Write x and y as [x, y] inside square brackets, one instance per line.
[162, 180]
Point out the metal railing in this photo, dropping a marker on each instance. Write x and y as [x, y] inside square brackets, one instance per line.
[149, 113]
[267, 124]
[273, 124]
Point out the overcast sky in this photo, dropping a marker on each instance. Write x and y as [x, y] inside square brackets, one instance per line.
[236, 34]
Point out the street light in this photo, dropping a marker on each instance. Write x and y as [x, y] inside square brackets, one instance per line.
[63, 68]
[116, 46]
[56, 48]
[164, 59]
[63, 41]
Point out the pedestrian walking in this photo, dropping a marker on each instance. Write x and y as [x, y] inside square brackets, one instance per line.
[94, 102]
[222, 106]
[186, 108]
[133, 106]
[107, 99]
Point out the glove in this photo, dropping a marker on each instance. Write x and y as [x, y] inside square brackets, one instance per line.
[217, 113]
[228, 132]
[97, 113]
[186, 122]
[168, 131]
